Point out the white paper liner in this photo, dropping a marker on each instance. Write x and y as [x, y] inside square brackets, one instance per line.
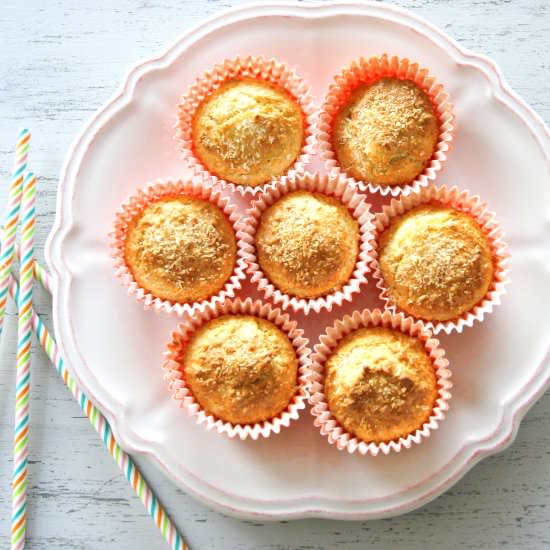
[269, 70]
[330, 427]
[337, 188]
[463, 201]
[369, 70]
[134, 205]
[183, 395]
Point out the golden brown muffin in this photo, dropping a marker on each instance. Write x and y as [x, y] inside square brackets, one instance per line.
[241, 368]
[181, 249]
[307, 244]
[248, 131]
[386, 133]
[436, 261]
[380, 384]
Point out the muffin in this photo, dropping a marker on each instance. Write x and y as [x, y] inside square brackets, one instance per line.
[380, 384]
[436, 262]
[386, 132]
[307, 244]
[180, 248]
[248, 131]
[241, 368]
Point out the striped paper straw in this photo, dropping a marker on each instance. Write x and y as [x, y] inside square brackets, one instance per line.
[22, 373]
[40, 274]
[101, 426]
[9, 230]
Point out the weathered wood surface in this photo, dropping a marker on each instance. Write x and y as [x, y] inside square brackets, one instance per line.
[61, 60]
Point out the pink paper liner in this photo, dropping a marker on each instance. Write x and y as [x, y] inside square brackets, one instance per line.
[134, 205]
[337, 188]
[369, 70]
[183, 395]
[269, 70]
[328, 341]
[463, 201]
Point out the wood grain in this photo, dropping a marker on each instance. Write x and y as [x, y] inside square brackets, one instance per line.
[59, 62]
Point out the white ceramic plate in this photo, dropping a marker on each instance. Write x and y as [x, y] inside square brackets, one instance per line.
[114, 348]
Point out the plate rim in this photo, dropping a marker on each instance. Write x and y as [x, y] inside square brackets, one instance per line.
[518, 405]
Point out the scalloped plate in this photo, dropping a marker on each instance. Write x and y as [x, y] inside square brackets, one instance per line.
[114, 348]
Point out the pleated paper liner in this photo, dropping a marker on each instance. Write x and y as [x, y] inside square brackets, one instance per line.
[329, 425]
[366, 71]
[336, 187]
[134, 205]
[174, 370]
[472, 205]
[268, 70]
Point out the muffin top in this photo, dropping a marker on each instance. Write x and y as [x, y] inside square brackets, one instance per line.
[181, 249]
[386, 133]
[241, 368]
[436, 262]
[380, 384]
[307, 244]
[248, 131]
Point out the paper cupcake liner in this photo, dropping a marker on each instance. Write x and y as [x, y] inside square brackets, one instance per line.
[330, 427]
[260, 68]
[134, 205]
[366, 71]
[463, 201]
[183, 395]
[333, 187]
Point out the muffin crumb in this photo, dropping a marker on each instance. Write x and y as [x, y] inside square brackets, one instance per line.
[380, 384]
[248, 131]
[436, 262]
[307, 244]
[386, 132]
[241, 368]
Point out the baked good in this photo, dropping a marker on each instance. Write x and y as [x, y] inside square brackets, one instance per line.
[241, 368]
[380, 384]
[181, 249]
[386, 132]
[436, 262]
[307, 244]
[248, 131]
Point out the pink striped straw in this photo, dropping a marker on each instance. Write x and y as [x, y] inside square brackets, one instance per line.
[22, 376]
[9, 229]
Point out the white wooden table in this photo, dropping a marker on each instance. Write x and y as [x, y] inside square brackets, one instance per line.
[59, 62]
